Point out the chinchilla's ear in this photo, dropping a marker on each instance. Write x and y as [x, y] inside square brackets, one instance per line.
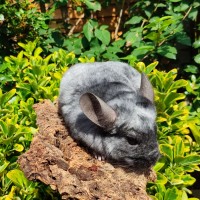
[97, 110]
[146, 89]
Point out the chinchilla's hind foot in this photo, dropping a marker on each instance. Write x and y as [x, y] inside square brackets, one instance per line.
[99, 157]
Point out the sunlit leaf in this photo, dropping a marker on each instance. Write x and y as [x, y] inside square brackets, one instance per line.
[151, 67]
[93, 5]
[4, 165]
[134, 20]
[38, 51]
[196, 44]
[18, 178]
[103, 36]
[173, 97]
[6, 97]
[18, 147]
[171, 194]
[188, 160]
[178, 146]
[167, 150]
[88, 31]
[161, 179]
[197, 59]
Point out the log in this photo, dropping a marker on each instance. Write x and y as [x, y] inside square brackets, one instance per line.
[55, 159]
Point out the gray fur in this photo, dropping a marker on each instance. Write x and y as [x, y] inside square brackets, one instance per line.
[130, 140]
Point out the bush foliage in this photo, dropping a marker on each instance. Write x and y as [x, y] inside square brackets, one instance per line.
[33, 78]
[31, 71]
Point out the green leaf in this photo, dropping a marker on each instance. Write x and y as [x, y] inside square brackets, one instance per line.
[196, 44]
[193, 14]
[161, 190]
[140, 66]
[159, 165]
[191, 69]
[18, 147]
[4, 66]
[176, 181]
[154, 36]
[4, 165]
[182, 38]
[151, 67]
[164, 18]
[118, 43]
[167, 150]
[29, 47]
[191, 168]
[38, 51]
[172, 97]
[25, 87]
[11, 195]
[171, 194]
[134, 20]
[167, 51]
[22, 45]
[188, 179]
[188, 160]
[154, 197]
[18, 178]
[178, 147]
[93, 5]
[161, 179]
[2, 17]
[88, 31]
[6, 97]
[4, 128]
[184, 195]
[103, 36]
[197, 58]
[178, 84]
[141, 51]
[148, 13]
[195, 131]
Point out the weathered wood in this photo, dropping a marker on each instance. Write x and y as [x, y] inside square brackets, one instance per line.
[109, 15]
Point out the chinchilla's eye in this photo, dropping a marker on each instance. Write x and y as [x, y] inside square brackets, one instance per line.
[143, 102]
[132, 141]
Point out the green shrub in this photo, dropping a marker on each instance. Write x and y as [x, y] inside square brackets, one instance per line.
[178, 149]
[29, 78]
[151, 30]
[22, 21]
[26, 79]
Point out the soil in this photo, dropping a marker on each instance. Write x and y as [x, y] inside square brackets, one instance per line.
[56, 160]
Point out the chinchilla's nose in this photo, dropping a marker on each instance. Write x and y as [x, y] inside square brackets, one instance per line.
[154, 154]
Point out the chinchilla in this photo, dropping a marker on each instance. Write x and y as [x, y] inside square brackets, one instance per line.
[109, 107]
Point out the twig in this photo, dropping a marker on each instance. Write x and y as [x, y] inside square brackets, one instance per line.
[119, 20]
[187, 13]
[143, 22]
[75, 25]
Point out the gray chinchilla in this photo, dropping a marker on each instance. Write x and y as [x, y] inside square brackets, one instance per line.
[109, 107]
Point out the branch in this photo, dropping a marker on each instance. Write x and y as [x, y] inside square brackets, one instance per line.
[187, 13]
[75, 25]
[119, 20]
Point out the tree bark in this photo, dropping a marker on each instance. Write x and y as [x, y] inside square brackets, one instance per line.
[56, 160]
